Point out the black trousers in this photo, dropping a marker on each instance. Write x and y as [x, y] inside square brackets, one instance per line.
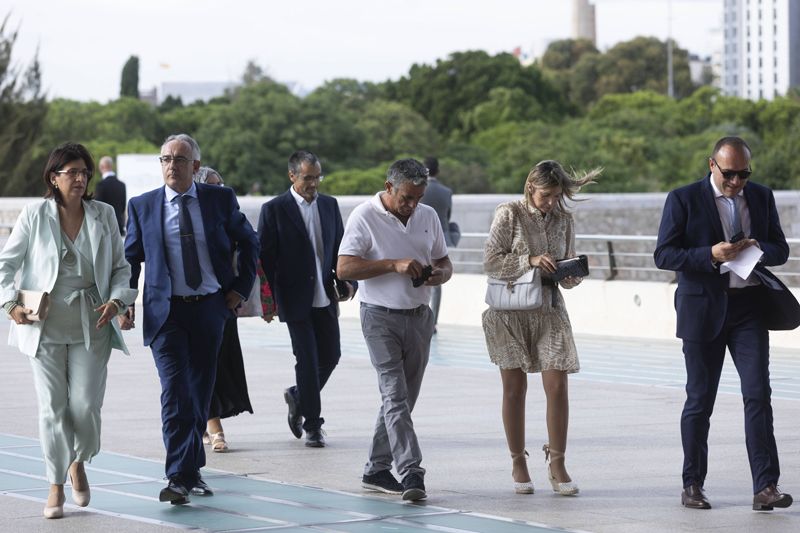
[315, 342]
[748, 341]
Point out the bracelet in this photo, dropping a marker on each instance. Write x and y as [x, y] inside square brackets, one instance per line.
[10, 305]
[121, 307]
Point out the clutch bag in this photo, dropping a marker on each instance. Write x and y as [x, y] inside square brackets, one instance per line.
[576, 267]
[38, 302]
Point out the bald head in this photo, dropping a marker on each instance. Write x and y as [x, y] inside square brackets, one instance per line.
[106, 164]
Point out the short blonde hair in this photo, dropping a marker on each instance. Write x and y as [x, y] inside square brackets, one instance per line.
[549, 174]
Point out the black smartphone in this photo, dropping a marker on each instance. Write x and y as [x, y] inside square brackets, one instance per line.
[736, 238]
[426, 273]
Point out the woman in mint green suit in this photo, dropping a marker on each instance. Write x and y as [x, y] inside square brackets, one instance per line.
[69, 246]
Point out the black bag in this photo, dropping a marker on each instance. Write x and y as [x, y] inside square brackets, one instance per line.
[780, 310]
[577, 267]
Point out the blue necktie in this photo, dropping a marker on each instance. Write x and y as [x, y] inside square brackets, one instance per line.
[191, 264]
[736, 221]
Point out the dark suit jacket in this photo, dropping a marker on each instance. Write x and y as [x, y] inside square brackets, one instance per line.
[226, 229]
[690, 226]
[112, 191]
[287, 255]
[440, 198]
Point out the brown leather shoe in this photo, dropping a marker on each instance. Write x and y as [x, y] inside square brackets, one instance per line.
[693, 497]
[771, 497]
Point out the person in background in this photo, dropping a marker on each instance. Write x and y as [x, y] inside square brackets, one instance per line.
[69, 246]
[230, 395]
[440, 198]
[111, 191]
[532, 233]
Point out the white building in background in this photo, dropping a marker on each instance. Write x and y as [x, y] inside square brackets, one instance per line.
[761, 47]
[191, 91]
[583, 21]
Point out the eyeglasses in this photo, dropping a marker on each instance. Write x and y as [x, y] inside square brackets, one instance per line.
[180, 160]
[73, 173]
[730, 174]
[311, 179]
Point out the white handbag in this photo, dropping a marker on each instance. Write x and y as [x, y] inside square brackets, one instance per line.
[519, 294]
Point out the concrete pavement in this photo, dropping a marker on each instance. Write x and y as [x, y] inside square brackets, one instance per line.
[624, 443]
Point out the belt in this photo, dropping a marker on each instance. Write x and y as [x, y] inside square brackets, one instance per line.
[192, 298]
[415, 311]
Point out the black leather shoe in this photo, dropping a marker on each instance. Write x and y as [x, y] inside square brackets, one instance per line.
[175, 492]
[771, 497]
[315, 438]
[295, 419]
[693, 497]
[201, 488]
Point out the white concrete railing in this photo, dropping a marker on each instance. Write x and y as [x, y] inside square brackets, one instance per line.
[642, 309]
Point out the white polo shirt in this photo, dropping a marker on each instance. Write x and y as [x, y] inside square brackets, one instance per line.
[374, 233]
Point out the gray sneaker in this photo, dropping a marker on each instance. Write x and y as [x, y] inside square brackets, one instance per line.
[382, 481]
[414, 488]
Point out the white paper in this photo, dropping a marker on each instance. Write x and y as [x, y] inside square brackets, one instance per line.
[744, 263]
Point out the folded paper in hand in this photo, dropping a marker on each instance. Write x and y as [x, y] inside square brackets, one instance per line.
[744, 263]
[576, 267]
[38, 302]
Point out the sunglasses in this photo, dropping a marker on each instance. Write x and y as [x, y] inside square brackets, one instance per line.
[730, 174]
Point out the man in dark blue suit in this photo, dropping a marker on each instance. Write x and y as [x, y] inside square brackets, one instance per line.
[300, 231]
[185, 233]
[704, 225]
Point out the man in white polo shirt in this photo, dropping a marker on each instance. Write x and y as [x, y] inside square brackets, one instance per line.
[396, 245]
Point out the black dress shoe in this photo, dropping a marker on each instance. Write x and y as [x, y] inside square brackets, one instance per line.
[175, 492]
[693, 497]
[771, 497]
[295, 419]
[315, 438]
[201, 488]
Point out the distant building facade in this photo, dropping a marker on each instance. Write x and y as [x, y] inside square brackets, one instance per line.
[583, 21]
[191, 91]
[761, 48]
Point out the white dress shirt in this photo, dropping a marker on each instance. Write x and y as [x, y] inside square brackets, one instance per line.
[310, 214]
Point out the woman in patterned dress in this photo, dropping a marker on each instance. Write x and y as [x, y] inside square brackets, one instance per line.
[531, 233]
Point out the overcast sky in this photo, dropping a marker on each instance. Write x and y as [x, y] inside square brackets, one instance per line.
[83, 44]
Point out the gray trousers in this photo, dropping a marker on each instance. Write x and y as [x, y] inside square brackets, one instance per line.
[398, 346]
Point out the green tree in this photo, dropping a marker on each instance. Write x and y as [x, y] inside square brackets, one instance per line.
[441, 92]
[22, 113]
[564, 54]
[502, 105]
[391, 128]
[129, 84]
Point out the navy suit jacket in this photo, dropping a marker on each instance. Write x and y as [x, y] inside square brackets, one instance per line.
[287, 255]
[690, 226]
[111, 190]
[226, 229]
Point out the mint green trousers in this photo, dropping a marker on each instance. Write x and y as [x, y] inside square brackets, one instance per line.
[70, 385]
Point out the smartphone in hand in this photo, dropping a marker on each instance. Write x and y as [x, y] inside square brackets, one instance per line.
[736, 238]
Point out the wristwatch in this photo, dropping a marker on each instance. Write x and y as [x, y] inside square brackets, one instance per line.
[121, 307]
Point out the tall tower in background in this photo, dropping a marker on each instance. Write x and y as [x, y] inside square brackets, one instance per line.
[583, 21]
[761, 47]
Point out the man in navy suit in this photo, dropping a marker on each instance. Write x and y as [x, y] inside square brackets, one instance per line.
[704, 225]
[300, 231]
[185, 233]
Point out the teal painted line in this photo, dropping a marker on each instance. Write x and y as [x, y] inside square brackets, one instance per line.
[122, 487]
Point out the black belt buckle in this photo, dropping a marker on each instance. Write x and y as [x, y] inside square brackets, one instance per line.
[190, 299]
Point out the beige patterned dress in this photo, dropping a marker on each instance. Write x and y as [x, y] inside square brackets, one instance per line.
[538, 339]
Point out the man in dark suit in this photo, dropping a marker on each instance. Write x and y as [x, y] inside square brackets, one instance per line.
[300, 231]
[440, 197]
[704, 225]
[111, 191]
[185, 233]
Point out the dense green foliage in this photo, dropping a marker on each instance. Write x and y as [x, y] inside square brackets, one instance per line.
[487, 118]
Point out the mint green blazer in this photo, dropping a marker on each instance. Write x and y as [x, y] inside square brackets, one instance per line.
[33, 250]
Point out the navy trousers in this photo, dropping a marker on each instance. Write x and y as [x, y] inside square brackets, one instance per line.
[748, 341]
[185, 352]
[315, 343]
